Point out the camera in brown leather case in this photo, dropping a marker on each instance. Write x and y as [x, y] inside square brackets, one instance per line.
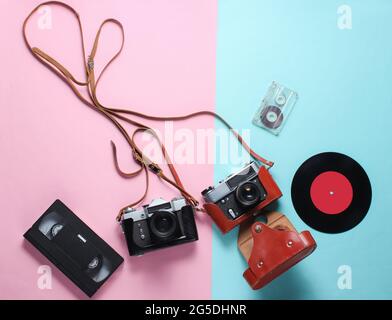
[272, 248]
[240, 196]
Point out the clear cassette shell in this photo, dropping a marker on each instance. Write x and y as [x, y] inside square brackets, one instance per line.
[275, 108]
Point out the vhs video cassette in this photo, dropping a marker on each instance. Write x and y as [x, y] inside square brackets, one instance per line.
[73, 248]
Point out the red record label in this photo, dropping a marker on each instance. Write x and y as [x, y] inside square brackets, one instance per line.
[331, 192]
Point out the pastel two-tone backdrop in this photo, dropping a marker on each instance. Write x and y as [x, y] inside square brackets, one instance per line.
[180, 57]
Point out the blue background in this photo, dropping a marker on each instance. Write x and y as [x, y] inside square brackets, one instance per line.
[344, 82]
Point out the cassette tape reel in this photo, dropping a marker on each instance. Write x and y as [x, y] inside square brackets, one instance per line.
[275, 108]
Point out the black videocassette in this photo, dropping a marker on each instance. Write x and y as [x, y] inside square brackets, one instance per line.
[73, 248]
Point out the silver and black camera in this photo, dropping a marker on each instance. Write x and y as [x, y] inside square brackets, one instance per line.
[158, 225]
[238, 193]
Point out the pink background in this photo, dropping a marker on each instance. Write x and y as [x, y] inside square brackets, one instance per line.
[52, 146]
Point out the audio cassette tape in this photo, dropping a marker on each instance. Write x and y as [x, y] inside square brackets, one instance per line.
[275, 108]
[74, 248]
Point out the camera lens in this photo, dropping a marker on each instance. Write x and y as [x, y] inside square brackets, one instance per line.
[248, 194]
[163, 224]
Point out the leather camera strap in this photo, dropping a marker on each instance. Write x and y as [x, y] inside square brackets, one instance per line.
[117, 114]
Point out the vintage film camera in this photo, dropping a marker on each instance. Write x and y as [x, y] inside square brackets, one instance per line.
[158, 225]
[272, 247]
[240, 196]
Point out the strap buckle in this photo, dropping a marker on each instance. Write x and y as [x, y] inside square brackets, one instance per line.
[151, 165]
[90, 63]
[155, 168]
[137, 156]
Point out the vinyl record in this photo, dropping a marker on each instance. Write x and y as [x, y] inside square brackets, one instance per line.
[271, 117]
[331, 192]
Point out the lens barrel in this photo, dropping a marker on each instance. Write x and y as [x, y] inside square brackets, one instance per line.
[163, 224]
[248, 194]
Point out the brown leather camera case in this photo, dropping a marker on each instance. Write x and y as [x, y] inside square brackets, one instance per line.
[272, 248]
